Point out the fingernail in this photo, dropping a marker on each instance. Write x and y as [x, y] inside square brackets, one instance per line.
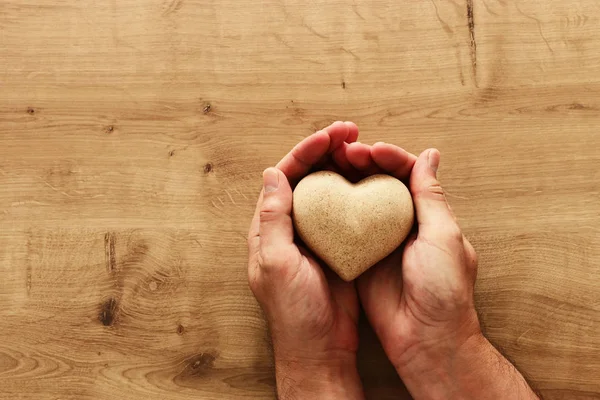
[270, 180]
[433, 159]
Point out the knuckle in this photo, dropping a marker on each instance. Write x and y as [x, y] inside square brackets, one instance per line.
[432, 191]
[267, 259]
[436, 189]
[273, 260]
[270, 203]
[268, 214]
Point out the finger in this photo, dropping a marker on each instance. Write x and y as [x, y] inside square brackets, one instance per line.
[359, 156]
[380, 291]
[344, 167]
[331, 166]
[352, 132]
[340, 159]
[433, 215]
[253, 236]
[393, 159]
[304, 155]
[350, 174]
[338, 133]
[254, 241]
[275, 222]
[311, 151]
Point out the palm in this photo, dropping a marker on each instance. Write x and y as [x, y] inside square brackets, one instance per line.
[410, 279]
[333, 303]
[429, 289]
[314, 304]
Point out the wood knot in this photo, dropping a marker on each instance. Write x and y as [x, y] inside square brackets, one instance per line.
[180, 329]
[171, 153]
[196, 366]
[208, 167]
[108, 311]
[576, 106]
[343, 84]
[109, 129]
[200, 363]
[30, 110]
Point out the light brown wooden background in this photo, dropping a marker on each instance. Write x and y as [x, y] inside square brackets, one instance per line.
[132, 139]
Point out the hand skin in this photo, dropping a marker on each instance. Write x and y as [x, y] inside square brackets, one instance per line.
[312, 314]
[420, 299]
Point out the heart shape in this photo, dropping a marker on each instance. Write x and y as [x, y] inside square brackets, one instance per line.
[352, 226]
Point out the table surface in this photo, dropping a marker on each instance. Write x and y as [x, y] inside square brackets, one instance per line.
[134, 134]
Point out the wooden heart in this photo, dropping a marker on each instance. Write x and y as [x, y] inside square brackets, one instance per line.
[352, 226]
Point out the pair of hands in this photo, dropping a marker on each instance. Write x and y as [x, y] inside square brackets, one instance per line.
[419, 300]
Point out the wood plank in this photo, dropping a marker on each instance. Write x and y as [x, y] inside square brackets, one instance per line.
[133, 136]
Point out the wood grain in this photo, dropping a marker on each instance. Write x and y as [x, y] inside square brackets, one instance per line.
[132, 140]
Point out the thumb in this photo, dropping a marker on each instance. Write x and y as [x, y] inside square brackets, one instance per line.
[433, 213]
[275, 225]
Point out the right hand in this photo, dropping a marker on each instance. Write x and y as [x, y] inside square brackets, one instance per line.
[419, 300]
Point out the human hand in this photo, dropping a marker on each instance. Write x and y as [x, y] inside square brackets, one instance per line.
[428, 302]
[423, 292]
[312, 314]
[419, 300]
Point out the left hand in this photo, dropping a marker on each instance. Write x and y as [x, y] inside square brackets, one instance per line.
[312, 313]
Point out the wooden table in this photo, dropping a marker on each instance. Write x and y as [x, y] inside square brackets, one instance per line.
[133, 136]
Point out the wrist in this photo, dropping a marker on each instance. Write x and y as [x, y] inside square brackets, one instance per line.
[446, 370]
[334, 378]
[432, 346]
[473, 370]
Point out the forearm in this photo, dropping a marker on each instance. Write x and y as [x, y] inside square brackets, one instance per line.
[307, 380]
[475, 371]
